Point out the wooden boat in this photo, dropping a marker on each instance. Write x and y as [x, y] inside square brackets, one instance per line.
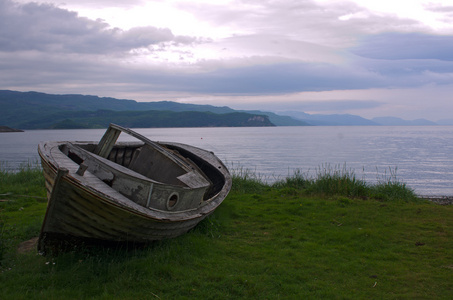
[133, 192]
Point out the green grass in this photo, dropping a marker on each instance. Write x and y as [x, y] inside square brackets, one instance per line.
[22, 206]
[331, 237]
[338, 181]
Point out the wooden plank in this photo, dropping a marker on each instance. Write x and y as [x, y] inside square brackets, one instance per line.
[109, 165]
[120, 156]
[194, 180]
[51, 204]
[128, 157]
[177, 159]
[107, 142]
[112, 155]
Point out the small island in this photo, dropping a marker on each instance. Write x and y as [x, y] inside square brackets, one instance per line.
[8, 129]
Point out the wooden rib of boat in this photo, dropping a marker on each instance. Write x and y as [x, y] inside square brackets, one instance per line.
[127, 191]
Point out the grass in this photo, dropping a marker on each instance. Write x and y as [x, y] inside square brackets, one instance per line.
[328, 237]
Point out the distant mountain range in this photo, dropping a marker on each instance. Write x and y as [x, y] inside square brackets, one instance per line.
[33, 110]
[353, 120]
[330, 120]
[392, 121]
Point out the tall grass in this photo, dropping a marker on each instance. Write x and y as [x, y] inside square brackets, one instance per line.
[20, 190]
[3, 240]
[27, 175]
[245, 180]
[341, 181]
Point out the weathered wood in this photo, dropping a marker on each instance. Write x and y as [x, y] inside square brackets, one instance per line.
[127, 157]
[169, 154]
[137, 186]
[107, 142]
[193, 180]
[51, 203]
[120, 156]
[82, 169]
[111, 202]
[157, 166]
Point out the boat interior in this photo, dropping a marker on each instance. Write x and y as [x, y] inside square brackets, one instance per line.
[161, 163]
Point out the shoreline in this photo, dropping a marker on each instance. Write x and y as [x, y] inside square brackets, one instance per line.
[441, 200]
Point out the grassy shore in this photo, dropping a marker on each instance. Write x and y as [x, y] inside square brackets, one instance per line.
[329, 237]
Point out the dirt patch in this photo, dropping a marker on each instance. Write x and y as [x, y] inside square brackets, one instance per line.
[28, 246]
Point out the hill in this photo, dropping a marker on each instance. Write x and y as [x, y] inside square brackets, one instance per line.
[353, 120]
[145, 119]
[8, 129]
[393, 121]
[33, 110]
[330, 120]
[445, 122]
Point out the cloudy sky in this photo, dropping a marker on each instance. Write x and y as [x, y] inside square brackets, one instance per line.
[364, 57]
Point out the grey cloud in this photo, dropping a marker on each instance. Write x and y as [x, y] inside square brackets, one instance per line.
[45, 27]
[397, 46]
[34, 69]
[39, 68]
[293, 77]
[264, 79]
[409, 72]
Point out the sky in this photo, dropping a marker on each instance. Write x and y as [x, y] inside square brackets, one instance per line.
[363, 57]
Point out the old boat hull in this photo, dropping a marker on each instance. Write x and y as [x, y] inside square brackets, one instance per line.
[84, 207]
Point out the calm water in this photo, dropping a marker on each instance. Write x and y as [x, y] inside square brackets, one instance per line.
[422, 157]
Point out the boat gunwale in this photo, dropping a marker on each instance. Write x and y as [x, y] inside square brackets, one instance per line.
[208, 206]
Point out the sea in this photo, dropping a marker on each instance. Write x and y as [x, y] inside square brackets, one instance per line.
[419, 156]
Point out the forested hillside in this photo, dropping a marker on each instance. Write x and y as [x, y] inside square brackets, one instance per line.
[32, 110]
